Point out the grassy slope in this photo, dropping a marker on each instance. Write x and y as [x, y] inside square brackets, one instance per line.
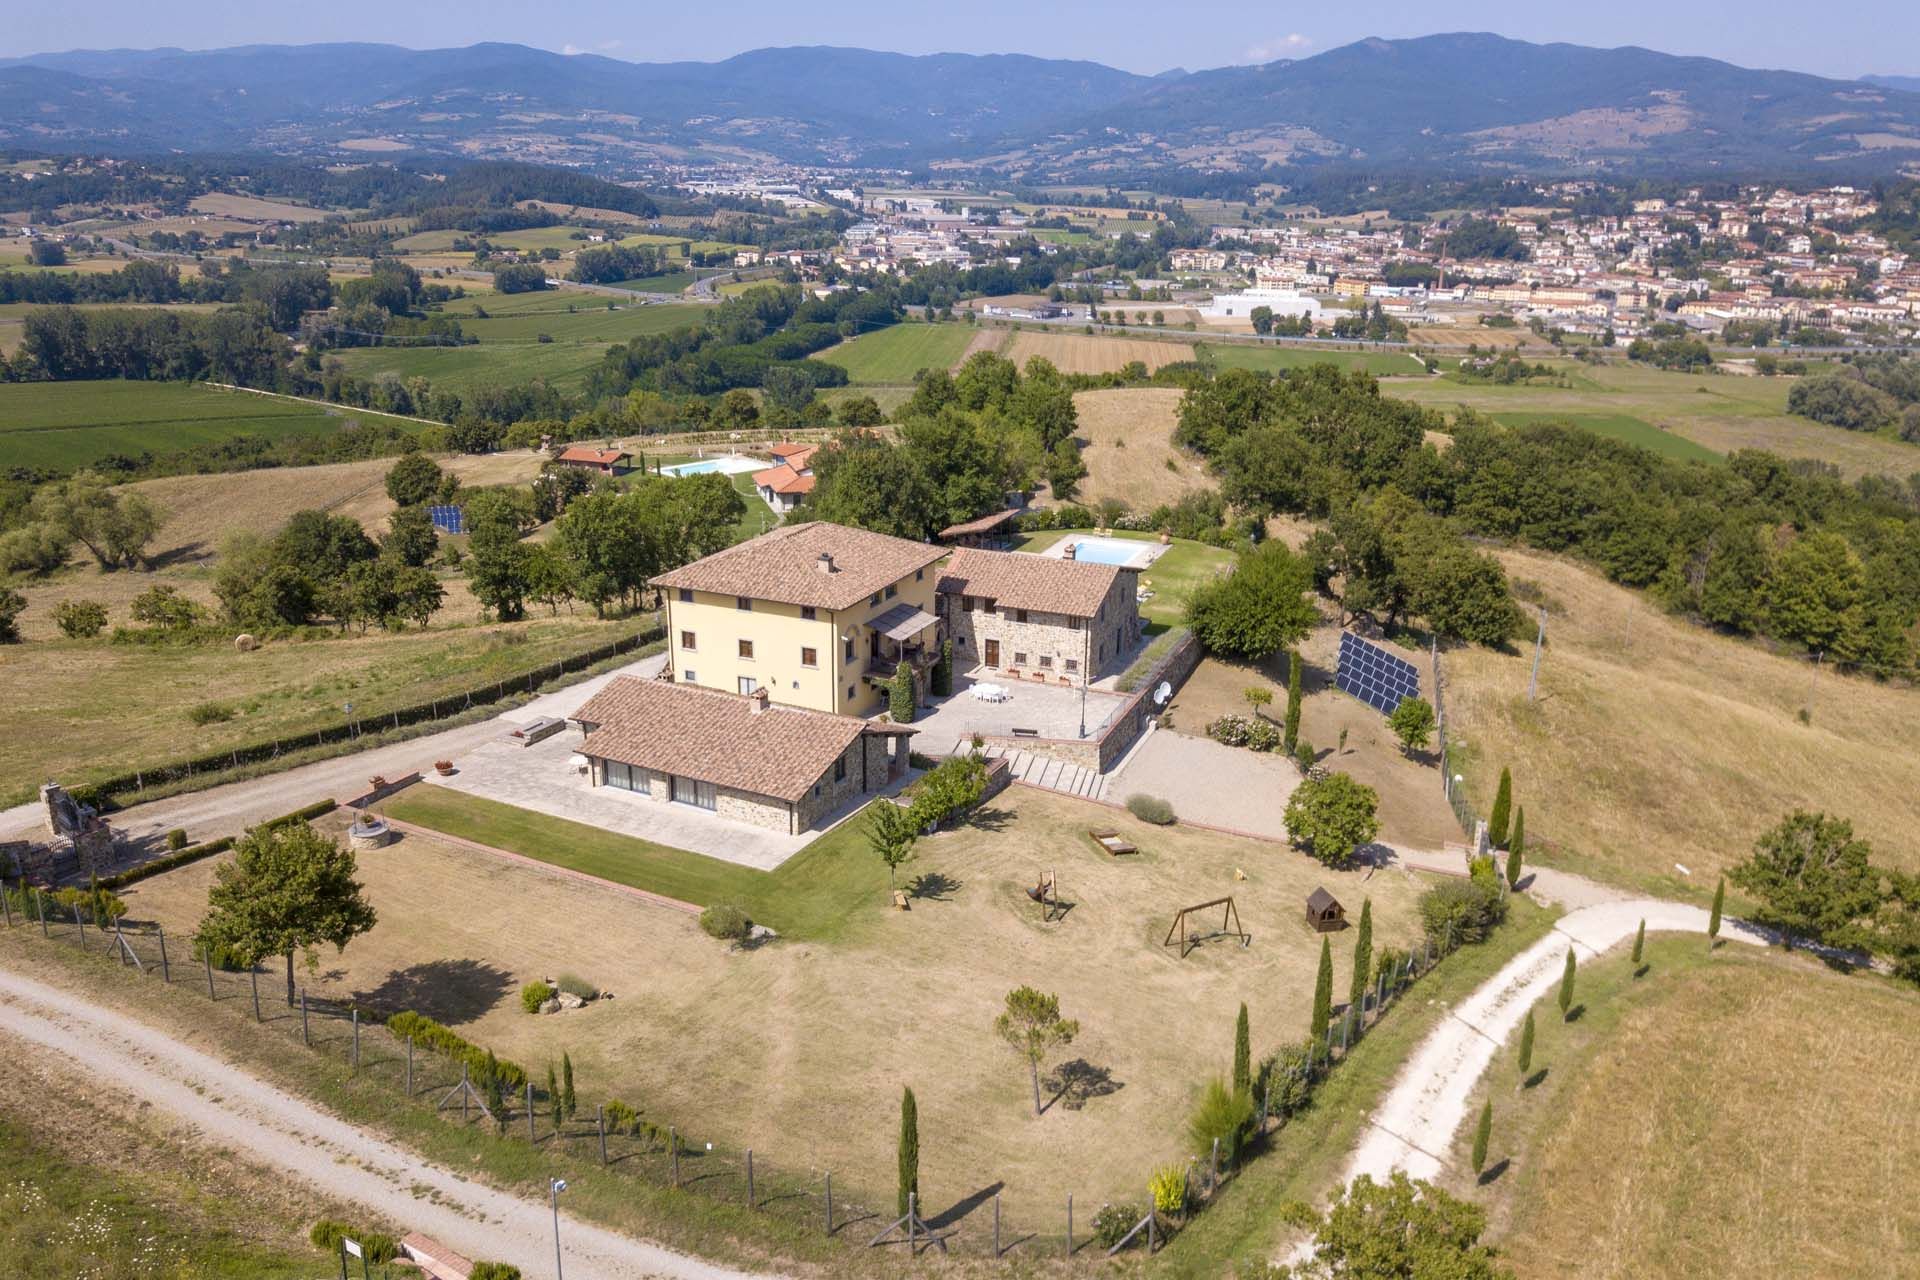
[1126, 442]
[1228, 355]
[891, 356]
[1661, 1106]
[1622, 426]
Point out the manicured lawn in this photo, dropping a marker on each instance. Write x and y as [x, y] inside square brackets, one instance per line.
[1265, 359]
[811, 896]
[1621, 426]
[891, 356]
[1184, 566]
[63, 426]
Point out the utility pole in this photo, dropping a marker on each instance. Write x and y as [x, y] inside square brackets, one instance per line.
[1539, 643]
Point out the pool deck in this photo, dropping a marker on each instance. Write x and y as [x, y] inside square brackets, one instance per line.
[728, 464]
[1146, 553]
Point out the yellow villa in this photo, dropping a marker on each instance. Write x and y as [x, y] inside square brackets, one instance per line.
[818, 615]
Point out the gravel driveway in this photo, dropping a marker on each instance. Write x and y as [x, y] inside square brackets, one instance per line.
[275, 1129]
[1208, 782]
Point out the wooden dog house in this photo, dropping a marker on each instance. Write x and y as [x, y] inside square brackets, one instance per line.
[1324, 912]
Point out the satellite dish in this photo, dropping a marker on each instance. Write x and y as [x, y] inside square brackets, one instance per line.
[1161, 694]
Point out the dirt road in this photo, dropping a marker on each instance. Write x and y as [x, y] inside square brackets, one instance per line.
[226, 810]
[279, 1131]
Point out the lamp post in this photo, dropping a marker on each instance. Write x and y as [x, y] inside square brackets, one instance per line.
[554, 1187]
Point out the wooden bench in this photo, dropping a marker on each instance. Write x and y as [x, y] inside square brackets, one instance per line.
[1024, 733]
[1113, 842]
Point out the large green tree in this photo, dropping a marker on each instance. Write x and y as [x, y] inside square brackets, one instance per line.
[1332, 817]
[1402, 1230]
[287, 889]
[1813, 880]
[1256, 610]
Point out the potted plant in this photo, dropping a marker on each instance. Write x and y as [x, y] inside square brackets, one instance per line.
[376, 783]
[443, 767]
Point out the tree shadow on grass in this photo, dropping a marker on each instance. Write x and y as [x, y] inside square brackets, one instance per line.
[1077, 1082]
[1494, 1170]
[963, 1207]
[989, 818]
[933, 886]
[1533, 1081]
[448, 991]
[1576, 1013]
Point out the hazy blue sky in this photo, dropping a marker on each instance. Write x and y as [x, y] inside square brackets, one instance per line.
[1850, 38]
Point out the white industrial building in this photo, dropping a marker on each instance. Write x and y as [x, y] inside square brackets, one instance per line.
[1238, 308]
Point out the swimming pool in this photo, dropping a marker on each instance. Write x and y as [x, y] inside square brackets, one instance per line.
[1121, 551]
[730, 465]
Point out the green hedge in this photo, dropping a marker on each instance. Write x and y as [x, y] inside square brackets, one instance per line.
[429, 1034]
[211, 847]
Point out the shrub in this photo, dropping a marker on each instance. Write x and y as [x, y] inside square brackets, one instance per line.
[1169, 1187]
[1263, 735]
[535, 994]
[1231, 730]
[1461, 911]
[206, 713]
[725, 922]
[98, 905]
[620, 1117]
[494, 1271]
[377, 1248]
[579, 987]
[1111, 1224]
[1150, 809]
[176, 840]
[1331, 817]
[80, 619]
[1285, 1080]
[326, 1234]
[1220, 1114]
[223, 957]
[952, 788]
[429, 1034]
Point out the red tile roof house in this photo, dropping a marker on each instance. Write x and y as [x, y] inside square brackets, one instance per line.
[789, 479]
[1065, 621]
[608, 462]
[740, 756]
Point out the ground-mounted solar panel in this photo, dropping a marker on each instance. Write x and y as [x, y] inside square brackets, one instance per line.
[448, 519]
[1376, 677]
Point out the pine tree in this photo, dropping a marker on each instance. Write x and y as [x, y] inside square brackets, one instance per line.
[568, 1103]
[1291, 735]
[1323, 993]
[1242, 1055]
[1566, 985]
[1639, 942]
[1502, 809]
[1362, 957]
[909, 1150]
[1526, 1046]
[1482, 1133]
[1516, 848]
[1713, 921]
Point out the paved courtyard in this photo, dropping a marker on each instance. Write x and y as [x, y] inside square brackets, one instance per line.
[1051, 710]
[541, 778]
[1207, 782]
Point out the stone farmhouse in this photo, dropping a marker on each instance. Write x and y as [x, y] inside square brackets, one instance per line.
[816, 615]
[1038, 617]
[743, 757]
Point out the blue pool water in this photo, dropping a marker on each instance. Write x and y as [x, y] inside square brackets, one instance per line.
[707, 466]
[1108, 550]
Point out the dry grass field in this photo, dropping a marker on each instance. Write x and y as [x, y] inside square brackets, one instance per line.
[1747, 1114]
[1126, 440]
[228, 205]
[1079, 353]
[1656, 742]
[799, 1049]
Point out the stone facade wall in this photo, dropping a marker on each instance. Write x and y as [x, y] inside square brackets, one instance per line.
[815, 808]
[1103, 644]
[757, 810]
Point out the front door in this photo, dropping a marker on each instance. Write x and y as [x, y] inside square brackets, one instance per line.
[993, 654]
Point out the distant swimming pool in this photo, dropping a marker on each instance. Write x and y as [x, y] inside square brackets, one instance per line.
[707, 466]
[1121, 551]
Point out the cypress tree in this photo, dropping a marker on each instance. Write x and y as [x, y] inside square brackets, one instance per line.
[1566, 985]
[1713, 921]
[1526, 1047]
[1516, 848]
[1639, 941]
[1291, 737]
[1362, 956]
[553, 1096]
[1481, 1134]
[900, 695]
[909, 1149]
[1323, 993]
[1502, 809]
[1242, 1055]
[567, 1099]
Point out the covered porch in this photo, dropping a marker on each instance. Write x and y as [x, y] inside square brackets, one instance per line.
[903, 634]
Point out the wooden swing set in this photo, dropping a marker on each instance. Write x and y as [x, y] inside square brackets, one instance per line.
[1229, 926]
[1047, 895]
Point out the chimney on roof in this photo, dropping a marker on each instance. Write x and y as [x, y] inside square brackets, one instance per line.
[759, 700]
[825, 563]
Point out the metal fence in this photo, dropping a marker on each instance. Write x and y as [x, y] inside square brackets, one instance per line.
[1452, 783]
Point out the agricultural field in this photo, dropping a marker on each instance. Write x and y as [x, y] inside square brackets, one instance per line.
[563, 365]
[1272, 359]
[821, 1030]
[578, 321]
[69, 425]
[1693, 1103]
[1718, 412]
[891, 356]
[1621, 426]
[1656, 743]
[1079, 353]
[1126, 442]
[666, 282]
[228, 205]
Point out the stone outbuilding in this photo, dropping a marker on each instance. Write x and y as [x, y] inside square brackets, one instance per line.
[1036, 617]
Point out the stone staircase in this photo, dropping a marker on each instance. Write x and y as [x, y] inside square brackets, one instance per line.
[1043, 771]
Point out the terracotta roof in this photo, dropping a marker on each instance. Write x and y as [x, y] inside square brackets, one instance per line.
[784, 479]
[979, 524]
[790, 448]
[1020, 580]
[785, 565]
[714, 736]
[598, 457]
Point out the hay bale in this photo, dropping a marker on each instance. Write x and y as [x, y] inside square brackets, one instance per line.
[245, 642]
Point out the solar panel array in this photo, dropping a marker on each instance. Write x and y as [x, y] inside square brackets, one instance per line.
[448, 519]
[1373, 675]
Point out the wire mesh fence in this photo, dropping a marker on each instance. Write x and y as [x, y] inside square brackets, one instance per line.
[1451, 782]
